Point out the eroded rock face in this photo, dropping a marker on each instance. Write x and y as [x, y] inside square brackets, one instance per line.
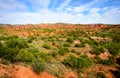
[23, 30]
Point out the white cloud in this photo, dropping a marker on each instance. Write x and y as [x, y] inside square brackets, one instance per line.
[45, 15]
[63, 5]
[7, 6]
[85, 7]
[48, 16]
[69, 9]
[94, 10]
[38, 4]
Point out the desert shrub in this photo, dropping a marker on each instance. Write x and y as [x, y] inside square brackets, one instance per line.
[82, 40]
[84, 61]
[53, 42]
[8, 54]
[46, 46]
[96, 75]
[5, 62]
[97, 50]
[113, 48]
[92, 42]
[62, 51]
[78, 62]
[79, 45]
[43, 55]
[110, 61]
[32, 49]
[118, 60]
[16, 43]
[12, 37]
[76, 33]
[30, 39]
[50, 38]
[48, 30]
[101, 34]
[55, 68]
[69, 39]
[54, 52]
[2, 38]
[101, 75]
[116, 73]
[66, 44]
[73, 50]
[115, 36]
[38, 65]
[24, 56]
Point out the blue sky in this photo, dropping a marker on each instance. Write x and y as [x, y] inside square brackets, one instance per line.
[56, 11]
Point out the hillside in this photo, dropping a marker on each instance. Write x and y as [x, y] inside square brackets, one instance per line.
[59, 51]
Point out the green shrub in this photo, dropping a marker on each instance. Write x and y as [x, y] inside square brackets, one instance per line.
[16, 43]
[8, 54]
[110, 61]
[12, 37]
[54, 53]
[113, 48]
[32, 49]
[69, 39]
[78, 62]
[79, 45]
[116, 73]
[24, 56]
[116, 36]
[38, 65]
[96, 75]
[55, 68]
[101, 75]
[48, 30]
[46, 46]
[73, 50]
[97, 50]
[62, 51]
[2, 38]
[30, 39]
[53, 42]
[66, 44]
[43, 55]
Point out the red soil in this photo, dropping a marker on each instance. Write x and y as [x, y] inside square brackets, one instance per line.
[18, 71]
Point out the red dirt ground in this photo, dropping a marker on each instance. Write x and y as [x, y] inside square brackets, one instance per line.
[19, 71]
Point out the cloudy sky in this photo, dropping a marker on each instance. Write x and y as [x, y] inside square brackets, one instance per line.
[56, 11]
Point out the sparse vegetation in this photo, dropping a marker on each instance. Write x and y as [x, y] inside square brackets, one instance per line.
[79, 45]
[46, 46]
[110, 61]
[25, 56]
[66, 44]
[69, 39]
[96, 75]
[38, 65]
[78, 62]
[62, 50]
